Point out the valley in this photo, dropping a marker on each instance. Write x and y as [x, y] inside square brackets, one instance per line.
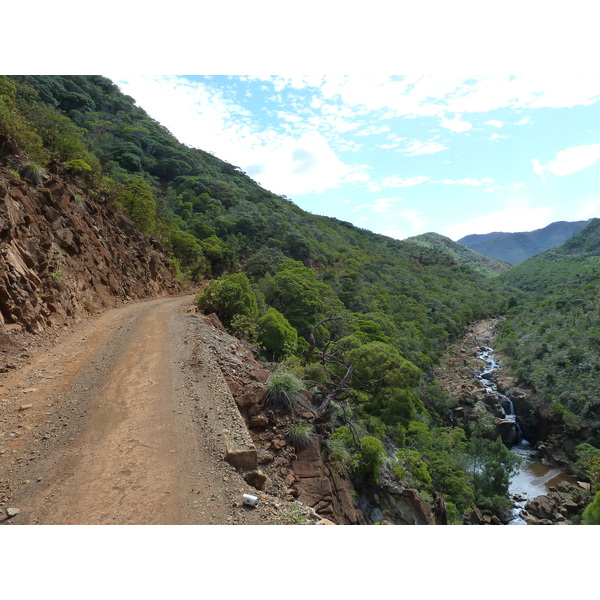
[173, 335]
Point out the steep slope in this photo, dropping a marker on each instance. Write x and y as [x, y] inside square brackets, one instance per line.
[551, 337]
[460, 253]
[64, 255]
[515, 247]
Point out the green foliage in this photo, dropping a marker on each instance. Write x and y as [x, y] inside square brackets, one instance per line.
[551, 337]
[369, 459]
[492, 466]
[587, 465]
[139, 203]
[412, 464]
[276, 335]
[300, 435]
[229, 296]
[591, 515]
[33, 173]
[283, 389]
[78, 166]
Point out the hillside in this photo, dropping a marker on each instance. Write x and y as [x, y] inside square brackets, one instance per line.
[514, 248]
[348, 324]
[551, 338]
[461, 254]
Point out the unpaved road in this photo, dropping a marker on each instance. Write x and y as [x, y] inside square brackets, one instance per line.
[112, 426]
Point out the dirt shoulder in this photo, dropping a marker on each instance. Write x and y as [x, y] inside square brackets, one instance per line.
[121, 420]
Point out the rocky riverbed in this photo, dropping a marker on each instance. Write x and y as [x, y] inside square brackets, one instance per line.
[542, 492]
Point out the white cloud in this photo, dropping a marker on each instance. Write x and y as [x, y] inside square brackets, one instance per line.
[395, 181]
[509, 220]
[497, 136]
[467, 181]
[456, 125]
[494, 123]
[373, 130]
[298, 161]
[416, 148]
[569, 161]
[381, 205]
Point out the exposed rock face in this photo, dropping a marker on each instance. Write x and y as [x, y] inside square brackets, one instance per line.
[307, 474]
[64, 255]
[398, 505]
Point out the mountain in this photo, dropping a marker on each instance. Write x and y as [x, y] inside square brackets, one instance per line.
[513, 248]
[460, 253]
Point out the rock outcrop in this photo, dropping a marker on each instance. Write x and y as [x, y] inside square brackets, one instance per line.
[64, 255]
[562, 504]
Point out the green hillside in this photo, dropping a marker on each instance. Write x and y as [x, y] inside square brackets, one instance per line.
[552, 335]
[461, 254]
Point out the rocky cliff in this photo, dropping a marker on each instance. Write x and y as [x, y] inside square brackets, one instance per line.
[64, 255]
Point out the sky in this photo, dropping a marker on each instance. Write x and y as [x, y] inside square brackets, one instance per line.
[399, 155]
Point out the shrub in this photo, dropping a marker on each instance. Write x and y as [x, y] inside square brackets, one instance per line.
[369, 459]
[78, 166]
[276, 335]
[340, 451]
[228, 297]
[300, 435]
[33, 173]
[283, 389]
[591, 515]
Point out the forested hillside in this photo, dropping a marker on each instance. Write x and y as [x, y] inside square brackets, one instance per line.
[552, 339]
[355, 318]
[462, 254]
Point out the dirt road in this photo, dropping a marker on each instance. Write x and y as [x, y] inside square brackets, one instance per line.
[112, 426]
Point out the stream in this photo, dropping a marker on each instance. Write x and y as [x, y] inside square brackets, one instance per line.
[533, 478]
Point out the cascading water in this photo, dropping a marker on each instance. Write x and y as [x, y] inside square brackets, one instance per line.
[533, 478]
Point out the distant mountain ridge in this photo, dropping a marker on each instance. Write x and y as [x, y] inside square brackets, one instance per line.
[514, 248]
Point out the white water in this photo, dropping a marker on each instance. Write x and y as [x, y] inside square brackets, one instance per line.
[533, 478]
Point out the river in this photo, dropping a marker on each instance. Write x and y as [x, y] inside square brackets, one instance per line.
[533, 477]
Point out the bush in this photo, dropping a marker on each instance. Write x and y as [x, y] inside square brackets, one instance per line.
[33, 173]
[369, 459]
[591, 515]
[228, 297]
[276, 335]
[300, 435]
[283, 389]
[78, 166]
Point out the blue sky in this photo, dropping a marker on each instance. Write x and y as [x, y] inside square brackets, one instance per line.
[399, 155]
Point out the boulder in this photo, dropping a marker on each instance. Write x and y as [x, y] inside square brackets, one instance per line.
[542, 507]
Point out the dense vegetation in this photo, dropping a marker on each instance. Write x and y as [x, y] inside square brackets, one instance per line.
[552, 335]
[462, 254]
[358, 318]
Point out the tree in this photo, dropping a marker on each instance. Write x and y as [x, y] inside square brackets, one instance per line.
[369, 459]
[275, 334]
[492, 466]
[591, 515]
[139, 203]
